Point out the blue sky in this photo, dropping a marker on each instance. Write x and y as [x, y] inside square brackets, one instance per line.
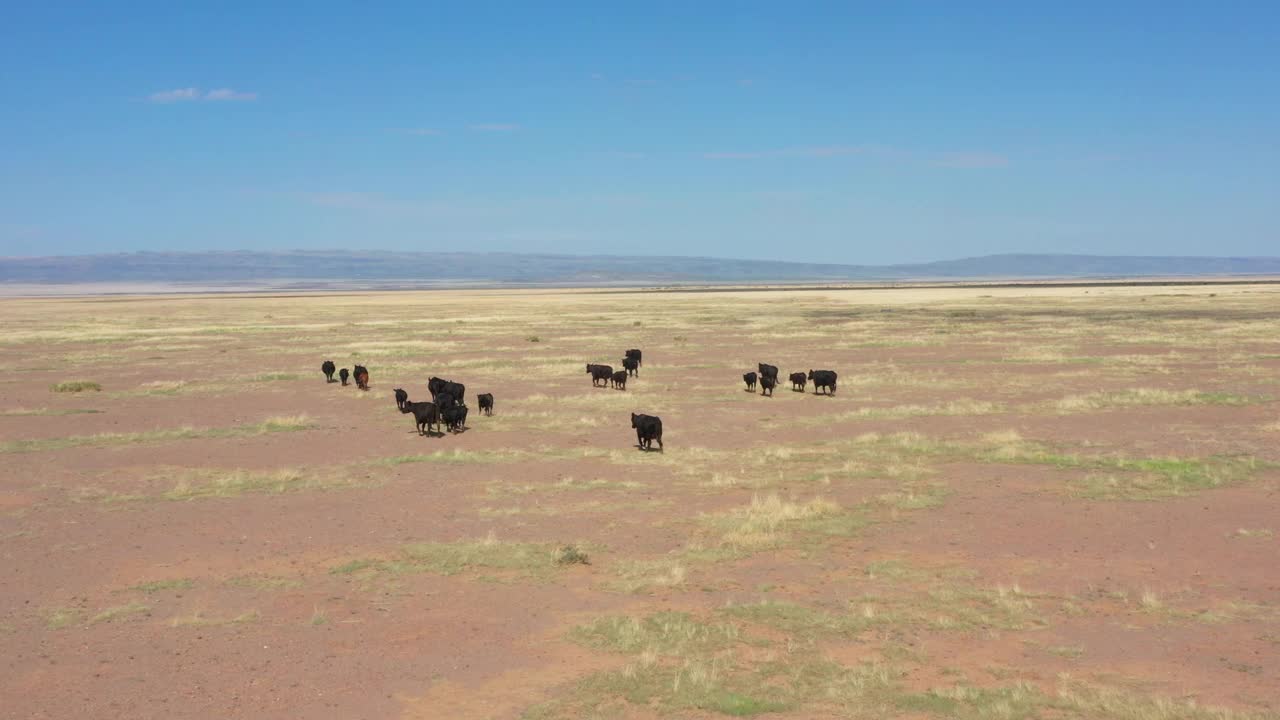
[841, 132]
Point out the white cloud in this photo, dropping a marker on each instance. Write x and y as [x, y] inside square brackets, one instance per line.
[191, 94]
[229, 94]
[178, 95]
[971, 160]
[964, 160]
[820, 151]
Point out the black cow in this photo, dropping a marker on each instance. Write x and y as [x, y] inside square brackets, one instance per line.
[750, 380]
[620, 380]
[486, 403]
[600, 374]
[648, 428]
[635, 355]
[402, 397]
[823, 379]
[343, 374]
[798, 381]
[767, 384]
[455, 417]
[362, 377]
[445, 400]
[631, 365]
[768, 371]
[457, 390]
[328, 368]
[425, 415]
[435, 385]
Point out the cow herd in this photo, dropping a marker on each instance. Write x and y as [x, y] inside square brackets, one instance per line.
[447, 409]
[766, 376]
[605, 376]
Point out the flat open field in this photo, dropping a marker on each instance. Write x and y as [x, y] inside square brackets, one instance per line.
[1020, 503]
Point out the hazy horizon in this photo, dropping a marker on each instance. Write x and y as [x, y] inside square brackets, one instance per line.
[832, 134]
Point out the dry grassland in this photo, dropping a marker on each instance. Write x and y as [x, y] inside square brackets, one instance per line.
[1021, 503]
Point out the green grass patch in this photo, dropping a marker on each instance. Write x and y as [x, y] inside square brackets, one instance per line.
[75, 386]
[1159, 478]
[1138, 397]
[270, 425]
[682, 663]
[530, 559]
[1072, 699]
[199, 619]
[263, 582]
[156, 586]
[205, 484]
[770, 522]
[62, 617]
[456, 456]
[802, 621]
[274, 376]
[24, 412]
[119, 612]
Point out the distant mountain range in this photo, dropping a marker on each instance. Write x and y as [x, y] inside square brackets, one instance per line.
[304, 268]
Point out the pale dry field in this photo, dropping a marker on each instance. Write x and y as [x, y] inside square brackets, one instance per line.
[1021, 503]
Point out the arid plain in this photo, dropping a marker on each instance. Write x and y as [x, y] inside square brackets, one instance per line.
[1020, 503]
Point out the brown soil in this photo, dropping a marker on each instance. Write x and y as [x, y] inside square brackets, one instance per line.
[255, 623]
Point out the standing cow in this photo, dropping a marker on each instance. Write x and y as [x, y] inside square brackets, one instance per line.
[648, 428]
[362, 377]
[631, 365]
[425, 415]
[750, 380]
[798, 381]
[600, 374]
[823, 379]
[636, 355]
[768, 371]
[486, 403]
[620, 380]
[344, 375]
[328, 368]
[402, 397]
[767, 384]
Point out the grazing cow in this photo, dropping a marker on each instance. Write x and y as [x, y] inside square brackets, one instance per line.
[768, 371]
[486, 403]
[600, 374]
[402, 397]
[362, 377]
[648, 428]
[823, 379]
[425, 415]
[631, 365]
[620, 380]
[343, 374]
[798, 381]
[767, 384]
[328, 368]
[750, 380]
[636, 355]
[455, 417]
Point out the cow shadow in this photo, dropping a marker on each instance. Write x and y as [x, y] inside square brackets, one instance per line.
[642, 448]
[430, 433]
